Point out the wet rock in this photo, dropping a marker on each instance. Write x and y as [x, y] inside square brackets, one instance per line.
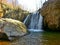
[12, 27]
[51, 13]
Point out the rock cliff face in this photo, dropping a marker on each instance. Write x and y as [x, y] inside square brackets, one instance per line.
[51, 13]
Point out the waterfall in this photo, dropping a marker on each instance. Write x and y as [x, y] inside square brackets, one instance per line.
[40, 22]
[34, 22]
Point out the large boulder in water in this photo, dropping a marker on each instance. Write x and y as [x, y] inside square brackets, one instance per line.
[12, 27]
[51, 13]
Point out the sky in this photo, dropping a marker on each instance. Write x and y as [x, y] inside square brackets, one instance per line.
[31, 5]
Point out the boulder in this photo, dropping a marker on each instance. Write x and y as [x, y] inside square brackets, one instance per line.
[12, 27]
[51, 14]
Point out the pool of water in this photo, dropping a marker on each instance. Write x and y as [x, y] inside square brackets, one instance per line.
[36, 38]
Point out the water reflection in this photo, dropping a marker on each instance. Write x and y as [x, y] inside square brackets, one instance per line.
[51, 38]
[38, 38]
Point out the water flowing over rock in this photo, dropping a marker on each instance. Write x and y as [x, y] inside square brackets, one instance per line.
[51, 13]
[34, 21]
[12, 27]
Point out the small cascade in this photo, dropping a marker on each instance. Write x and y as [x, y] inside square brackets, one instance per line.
[34, 22]
[40, 22]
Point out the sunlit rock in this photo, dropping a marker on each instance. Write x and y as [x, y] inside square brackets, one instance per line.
[12, 27]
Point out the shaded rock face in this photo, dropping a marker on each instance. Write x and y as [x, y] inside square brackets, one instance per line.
[12, 27]
[51, 13]
[3, 36]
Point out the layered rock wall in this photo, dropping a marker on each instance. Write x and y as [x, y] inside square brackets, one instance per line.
[51, 13]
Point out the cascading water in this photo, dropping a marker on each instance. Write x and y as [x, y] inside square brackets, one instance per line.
[34, 22]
